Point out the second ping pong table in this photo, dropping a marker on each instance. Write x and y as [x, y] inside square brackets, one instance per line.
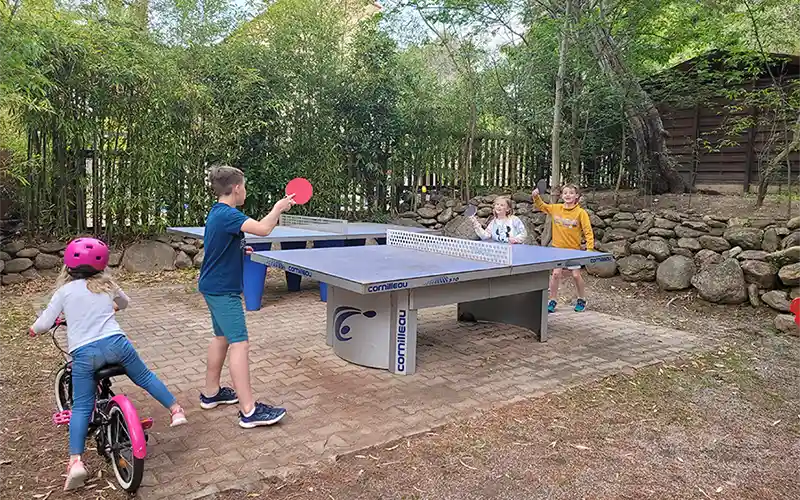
[294, 232]
[375, 291]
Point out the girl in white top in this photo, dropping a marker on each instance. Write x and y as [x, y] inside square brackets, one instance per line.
[88, 299]
[504, 226]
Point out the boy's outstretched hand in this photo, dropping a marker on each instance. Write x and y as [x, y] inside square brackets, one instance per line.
[285, 204]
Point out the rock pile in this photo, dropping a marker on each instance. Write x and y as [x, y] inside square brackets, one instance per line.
[728, 261]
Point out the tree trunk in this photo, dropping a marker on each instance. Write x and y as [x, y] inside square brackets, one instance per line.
[621, 165]
[576, 139]
[647, 129]
[555, 136]
[775, 163]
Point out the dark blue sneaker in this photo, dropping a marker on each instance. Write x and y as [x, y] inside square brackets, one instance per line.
[580, 305]
[262, 415]
[225, 396]
[551, 306]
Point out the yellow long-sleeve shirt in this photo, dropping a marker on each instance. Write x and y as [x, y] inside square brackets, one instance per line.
[568, 224]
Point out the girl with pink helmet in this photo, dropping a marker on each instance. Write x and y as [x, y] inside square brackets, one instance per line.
[89, 298]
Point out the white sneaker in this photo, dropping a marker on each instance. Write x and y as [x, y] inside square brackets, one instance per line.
[76, 475]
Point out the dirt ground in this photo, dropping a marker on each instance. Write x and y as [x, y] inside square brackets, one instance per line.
[721, 424]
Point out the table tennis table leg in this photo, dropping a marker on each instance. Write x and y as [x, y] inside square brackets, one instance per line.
[323, 287]
[253, 279]
[292, 279]
[528, 310]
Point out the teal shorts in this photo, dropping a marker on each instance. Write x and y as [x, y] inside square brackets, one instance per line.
[227, 316]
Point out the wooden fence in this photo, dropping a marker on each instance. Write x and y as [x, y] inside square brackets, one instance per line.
[68, 189]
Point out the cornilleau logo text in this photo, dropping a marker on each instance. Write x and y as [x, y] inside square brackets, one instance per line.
[384, 287]
[340, 315]
[292, 269]
[442, 280]
[600, 259]
[401, 341]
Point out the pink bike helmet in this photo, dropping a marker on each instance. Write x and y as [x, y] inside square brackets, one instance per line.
[85, 254]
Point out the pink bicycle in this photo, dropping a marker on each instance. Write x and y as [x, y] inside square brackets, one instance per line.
[120, 435]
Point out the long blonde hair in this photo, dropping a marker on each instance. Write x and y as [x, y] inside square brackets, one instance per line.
[97, 283]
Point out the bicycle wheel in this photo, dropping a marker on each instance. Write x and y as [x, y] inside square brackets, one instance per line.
[62, 388]
[128, 469]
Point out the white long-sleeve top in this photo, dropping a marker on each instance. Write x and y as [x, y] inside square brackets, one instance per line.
[503, 229]
[90, 316]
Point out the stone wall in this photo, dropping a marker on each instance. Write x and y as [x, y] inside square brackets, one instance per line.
[728, 261]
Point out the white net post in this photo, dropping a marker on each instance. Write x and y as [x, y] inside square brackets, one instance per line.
[497, 253]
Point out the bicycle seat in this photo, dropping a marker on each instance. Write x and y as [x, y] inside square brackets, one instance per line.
[109, 371]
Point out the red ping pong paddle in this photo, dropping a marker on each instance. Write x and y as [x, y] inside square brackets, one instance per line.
[794, 308]
[301, 189]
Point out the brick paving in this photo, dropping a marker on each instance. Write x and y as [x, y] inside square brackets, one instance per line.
[335, 407]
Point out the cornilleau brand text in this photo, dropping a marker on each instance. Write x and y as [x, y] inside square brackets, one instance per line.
[401, 341]
[384, 287]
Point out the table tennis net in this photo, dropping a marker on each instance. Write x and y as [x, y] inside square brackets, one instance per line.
[454, 247]
[314, 223]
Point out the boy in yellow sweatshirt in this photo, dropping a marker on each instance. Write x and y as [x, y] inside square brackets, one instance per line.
[570, 221]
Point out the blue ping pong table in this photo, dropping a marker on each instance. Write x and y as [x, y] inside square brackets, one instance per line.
[375, 291]
[294, 232]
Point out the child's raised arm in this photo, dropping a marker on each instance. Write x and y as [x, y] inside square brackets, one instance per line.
[482, 233]
[50, 314]
[539, 202]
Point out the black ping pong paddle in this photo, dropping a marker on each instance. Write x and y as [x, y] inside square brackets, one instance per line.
[542, 186]
[470, 211]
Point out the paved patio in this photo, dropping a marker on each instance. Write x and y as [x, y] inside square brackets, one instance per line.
[335, 407]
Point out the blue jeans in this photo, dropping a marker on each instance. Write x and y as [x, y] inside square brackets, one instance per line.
[88, 359]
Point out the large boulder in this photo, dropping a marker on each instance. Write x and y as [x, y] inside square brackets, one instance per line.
[4, 256]
[784, 257]
[746, 237]
[786, 324]
[460, 227]
[183, 261]
[793, 223]
[759, 273]
[637, 268]
[15, 266]
[114, 258]
[789, 275]
[52, 247]
[687, 232]
[13, 247]
[771, 241]
[664, 223]
[752, 255]
[675, 273]
[428, 212]
[792, 240]
[28, 253]
[690, 244]
[445, 216]
[777, 299]
[616, 234]
[46, 261]
[13, 279]
[714, 243]
[648, 223]
[658, 249]
[722, 283]
[707, 257]
[618, 248]
[602, 269]
[149, 256]
[198, 259]
[662, 233]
